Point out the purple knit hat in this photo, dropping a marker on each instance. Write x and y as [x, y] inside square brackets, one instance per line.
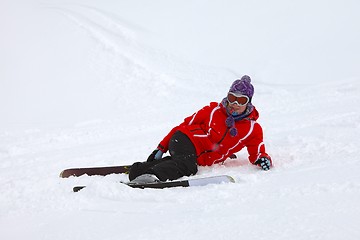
[243, 86]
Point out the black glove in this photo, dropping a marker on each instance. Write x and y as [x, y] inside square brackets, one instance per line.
[233, 156]
[264, 163]
[156, 154]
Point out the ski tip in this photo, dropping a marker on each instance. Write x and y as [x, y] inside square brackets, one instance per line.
[65, 173]
[78, 188]
[211, 180]
[230, 178]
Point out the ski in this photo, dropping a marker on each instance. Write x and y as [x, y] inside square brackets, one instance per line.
[185, 183]
[101, 171]
[177, 183]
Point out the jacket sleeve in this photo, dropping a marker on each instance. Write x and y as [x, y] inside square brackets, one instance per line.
[256, 146]
[197, 118]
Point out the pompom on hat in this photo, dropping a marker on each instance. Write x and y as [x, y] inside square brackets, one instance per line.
[243, 86]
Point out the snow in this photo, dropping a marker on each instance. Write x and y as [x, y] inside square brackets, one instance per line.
[99, 83]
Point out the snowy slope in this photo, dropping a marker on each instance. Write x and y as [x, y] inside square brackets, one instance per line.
[98, 83]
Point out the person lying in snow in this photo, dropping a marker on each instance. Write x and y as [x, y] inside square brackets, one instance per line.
[211, 135]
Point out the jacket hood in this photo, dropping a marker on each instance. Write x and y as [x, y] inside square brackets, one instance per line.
[254, 115]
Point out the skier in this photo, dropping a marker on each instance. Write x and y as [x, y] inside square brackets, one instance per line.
[211, 135]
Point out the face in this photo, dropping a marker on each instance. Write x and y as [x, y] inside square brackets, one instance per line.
[237, 103]
[233, 107]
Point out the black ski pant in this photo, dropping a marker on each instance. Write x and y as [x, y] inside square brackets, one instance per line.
[181, 162]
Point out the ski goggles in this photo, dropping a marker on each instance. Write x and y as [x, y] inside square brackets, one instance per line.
[238, 99]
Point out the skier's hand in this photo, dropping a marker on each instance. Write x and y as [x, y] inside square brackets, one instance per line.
[233, 156]
[264, 163]
[155, 155]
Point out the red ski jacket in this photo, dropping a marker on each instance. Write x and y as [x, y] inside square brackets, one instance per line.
[208, 132]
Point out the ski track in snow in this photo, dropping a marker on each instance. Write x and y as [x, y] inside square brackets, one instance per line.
[311, 131]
